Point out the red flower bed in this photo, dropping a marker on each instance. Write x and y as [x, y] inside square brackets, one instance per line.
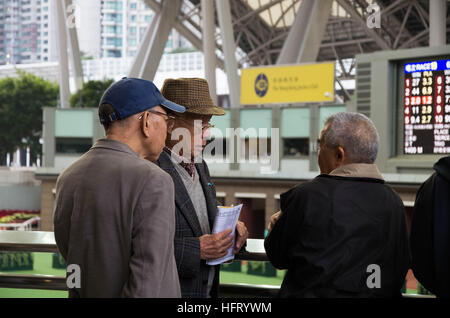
[17, 216]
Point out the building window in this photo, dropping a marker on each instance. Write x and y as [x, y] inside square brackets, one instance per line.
[114, 41]
[114, 17]
[114, 5]
[73, 145]
[113, 53]
[295, 147]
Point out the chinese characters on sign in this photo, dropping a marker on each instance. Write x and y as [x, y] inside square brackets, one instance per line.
[301, 83]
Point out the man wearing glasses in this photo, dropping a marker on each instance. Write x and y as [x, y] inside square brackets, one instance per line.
[114, 217]
[195, 195]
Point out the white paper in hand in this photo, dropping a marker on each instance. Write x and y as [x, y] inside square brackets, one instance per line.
[226, 218]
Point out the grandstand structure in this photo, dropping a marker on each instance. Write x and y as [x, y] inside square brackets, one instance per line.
[240, 33]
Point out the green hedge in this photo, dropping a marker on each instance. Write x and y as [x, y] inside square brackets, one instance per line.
[422, 290]
[16, 261]
[58, 261]
[234, 266]
[261, 268]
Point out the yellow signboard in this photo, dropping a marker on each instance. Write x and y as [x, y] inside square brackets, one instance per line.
[288, 84]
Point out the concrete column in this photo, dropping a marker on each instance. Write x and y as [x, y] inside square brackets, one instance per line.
[135, 69]
[276, 123]
[16, 158]
[313, 136]
[146, 62]
[270, 207]
[48, 134]
[209, 45]
[305, 36]
[235, 122]
[438, 11]
[230, 199]
[64, 90]
[229, 51]
[74, 47]
[98, 130]
[28, 158]
[47, 204]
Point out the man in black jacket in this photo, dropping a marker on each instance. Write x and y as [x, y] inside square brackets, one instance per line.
[195, 195]
[344, 233]
[430, 231]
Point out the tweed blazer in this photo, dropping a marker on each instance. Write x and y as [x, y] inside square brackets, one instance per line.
[114, 218]
[192, 271]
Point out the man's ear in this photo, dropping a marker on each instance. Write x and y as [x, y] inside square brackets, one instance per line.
[145, 124]
[168, 138]
[340, 155]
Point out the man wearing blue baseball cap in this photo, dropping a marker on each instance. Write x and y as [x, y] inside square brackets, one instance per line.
[114, 219]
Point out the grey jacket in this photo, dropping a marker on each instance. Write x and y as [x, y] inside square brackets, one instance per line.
[115, 218]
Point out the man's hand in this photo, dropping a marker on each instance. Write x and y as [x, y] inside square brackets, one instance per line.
[214, 246]
[241, 236]
[273, 219]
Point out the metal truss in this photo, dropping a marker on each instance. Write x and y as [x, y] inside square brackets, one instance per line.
[404, 24]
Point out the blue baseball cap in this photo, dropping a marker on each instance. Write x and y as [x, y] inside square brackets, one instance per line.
[130, 96]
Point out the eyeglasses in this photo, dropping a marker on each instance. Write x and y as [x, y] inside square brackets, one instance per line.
[204, 126]
[207, 126]
[170, 120]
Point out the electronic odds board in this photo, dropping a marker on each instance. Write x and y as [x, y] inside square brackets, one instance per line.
[426, 107]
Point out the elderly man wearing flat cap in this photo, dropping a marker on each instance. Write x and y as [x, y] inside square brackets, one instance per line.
[195, 195]
[115, 214]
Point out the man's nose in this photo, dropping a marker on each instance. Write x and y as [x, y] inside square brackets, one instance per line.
[206, 134]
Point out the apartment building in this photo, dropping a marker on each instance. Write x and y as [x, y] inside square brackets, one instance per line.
[105, 28]
[27, 30]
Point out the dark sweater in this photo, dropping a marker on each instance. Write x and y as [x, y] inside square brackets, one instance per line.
[430, 231]
[331, 229]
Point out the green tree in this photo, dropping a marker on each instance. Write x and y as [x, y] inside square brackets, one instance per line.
[21, 102]
[91, 93]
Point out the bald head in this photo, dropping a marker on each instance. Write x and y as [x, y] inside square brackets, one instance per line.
[355, 133]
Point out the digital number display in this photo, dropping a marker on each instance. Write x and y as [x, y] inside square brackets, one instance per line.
[426, 107]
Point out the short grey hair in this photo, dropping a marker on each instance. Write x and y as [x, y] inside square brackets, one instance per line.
[354, 132]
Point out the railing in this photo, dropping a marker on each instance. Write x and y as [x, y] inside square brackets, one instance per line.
[30, 241]
[36, 241]
[24, 226]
